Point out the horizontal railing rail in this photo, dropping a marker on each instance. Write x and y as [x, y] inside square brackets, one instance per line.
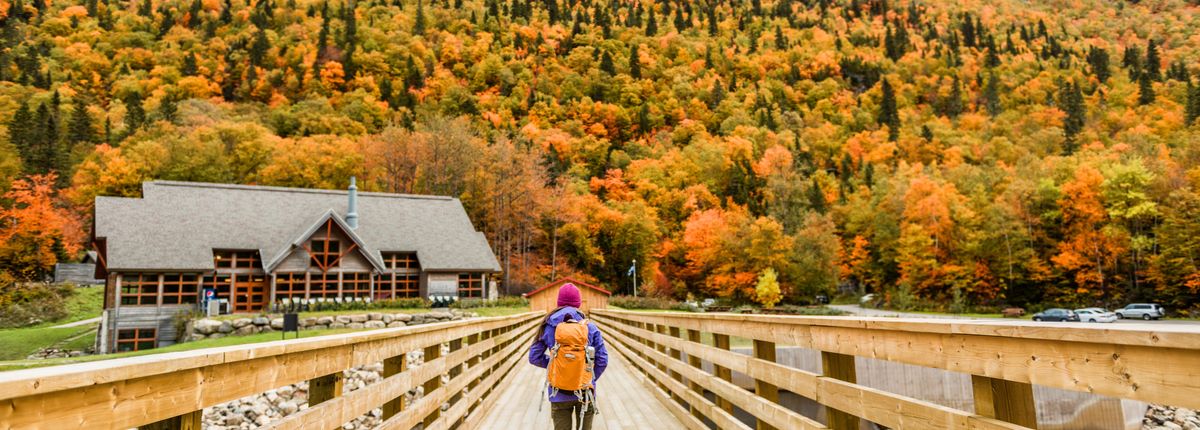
[1159, 364]
[170, 390]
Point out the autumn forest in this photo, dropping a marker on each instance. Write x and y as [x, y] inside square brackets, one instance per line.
[949, 155]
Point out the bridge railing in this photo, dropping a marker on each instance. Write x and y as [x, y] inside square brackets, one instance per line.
[1159, 364]
[170, 390]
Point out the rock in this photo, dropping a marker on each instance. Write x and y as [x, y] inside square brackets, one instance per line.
[287, 408]
[387, 318]
[261, 321]
[344, 319]
[396, 324]
[403, 317]
[245, 330]
[240, 322]
[233, 420]
[337, 325]
[196, 336]
[374, 324]
[216, 335]
[206, 326]
[324, 320]
[355, 325]
[375, 316]
[309, 322]
[358, 318]
[277, 323]
[226, 327]
[1172, 426]
[440, 315]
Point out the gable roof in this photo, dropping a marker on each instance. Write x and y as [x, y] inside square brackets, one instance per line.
[361, 248]
[176, 225]
[562, 281]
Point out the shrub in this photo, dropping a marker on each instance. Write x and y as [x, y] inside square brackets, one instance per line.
[503, 302]
[401, 303]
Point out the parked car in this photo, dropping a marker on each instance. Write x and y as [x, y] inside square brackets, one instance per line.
[1146, 311]
[1056, 314]
[1096, 315]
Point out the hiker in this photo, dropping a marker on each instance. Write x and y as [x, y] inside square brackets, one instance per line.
[572, 351]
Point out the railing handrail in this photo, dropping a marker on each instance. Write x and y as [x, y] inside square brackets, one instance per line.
[136, 391]
[1005, 359]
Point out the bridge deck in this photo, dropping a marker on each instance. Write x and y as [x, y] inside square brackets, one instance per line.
[625, 402]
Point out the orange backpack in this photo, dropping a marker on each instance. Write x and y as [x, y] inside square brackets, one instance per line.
[571, 358]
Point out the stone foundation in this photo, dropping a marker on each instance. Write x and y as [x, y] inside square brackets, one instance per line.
[215, 329]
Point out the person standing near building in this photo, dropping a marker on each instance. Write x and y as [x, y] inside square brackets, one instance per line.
[572, 351]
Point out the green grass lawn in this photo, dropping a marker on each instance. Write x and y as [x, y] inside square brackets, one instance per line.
[18, 343]
[84, 303]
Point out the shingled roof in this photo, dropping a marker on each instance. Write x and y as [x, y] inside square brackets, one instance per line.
[176, 225]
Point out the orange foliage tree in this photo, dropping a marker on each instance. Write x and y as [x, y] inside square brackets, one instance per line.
[35, 230]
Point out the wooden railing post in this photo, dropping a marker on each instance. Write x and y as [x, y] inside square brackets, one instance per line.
[323, 388]
[1004, 400]
[188, 421]
[455, 370]
[764, 350]
[432, 352]
[722, 341]
[841, 367]
[694, 361]
[392, 366]
[474, 361]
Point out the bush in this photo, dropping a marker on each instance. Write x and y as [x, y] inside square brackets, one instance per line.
[402, 303]
[30, 304]
[503, 302]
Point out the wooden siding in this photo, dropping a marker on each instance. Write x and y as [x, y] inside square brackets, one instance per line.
[298, 260]
[547, 300]
[157, 317]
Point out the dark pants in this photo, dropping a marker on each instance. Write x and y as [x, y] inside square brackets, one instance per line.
[561, 414]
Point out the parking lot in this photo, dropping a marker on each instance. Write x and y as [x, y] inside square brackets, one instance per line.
[868, 312]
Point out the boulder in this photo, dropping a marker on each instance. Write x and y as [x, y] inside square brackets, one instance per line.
[375, 316]
[206, 326]
[261, 321]
[324, 320]
[344, 319]
[355, 325]
[403, 317]
[309, 322]
[216, 335]
[226, 327]
[240, 322]
[246, 329]
[396, 324]
[440, 315]
[387, 318]
[374, 324]
[358, 318]
[277, 323]
[337, 325]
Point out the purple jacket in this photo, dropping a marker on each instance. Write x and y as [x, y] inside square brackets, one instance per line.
[538, 357]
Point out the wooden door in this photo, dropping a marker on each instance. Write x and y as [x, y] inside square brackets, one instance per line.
[249, 293]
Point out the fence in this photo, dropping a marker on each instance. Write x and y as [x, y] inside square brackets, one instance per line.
[1158, 364]
[170, 390]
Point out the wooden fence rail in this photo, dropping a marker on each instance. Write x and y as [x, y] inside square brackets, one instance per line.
[169, 391]
[1159, 364]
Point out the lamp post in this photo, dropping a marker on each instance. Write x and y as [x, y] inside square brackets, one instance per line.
[634, 269]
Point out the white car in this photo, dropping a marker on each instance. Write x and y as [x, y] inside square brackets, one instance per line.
[1096, 315]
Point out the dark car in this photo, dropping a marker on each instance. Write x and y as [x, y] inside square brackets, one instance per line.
[1056, 314]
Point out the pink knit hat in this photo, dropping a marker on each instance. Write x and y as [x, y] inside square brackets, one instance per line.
[568, 295]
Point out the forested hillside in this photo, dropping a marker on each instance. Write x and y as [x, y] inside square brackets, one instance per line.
[946, 154]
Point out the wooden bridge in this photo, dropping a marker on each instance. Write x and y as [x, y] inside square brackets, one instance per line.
[668, 370]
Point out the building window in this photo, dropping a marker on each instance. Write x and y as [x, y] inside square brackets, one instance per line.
[398, 285]
[401, 261]
[323, 285]
[470, 285]
[136, 339]
[139, 289]
[325, 253]
[229, 259]
[221, 285]
[356, 284]
[289, 285]
[179, 289]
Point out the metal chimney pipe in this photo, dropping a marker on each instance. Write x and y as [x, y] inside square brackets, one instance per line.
[352, 211]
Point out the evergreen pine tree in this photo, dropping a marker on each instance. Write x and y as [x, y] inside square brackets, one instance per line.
[413, 79]
[386, 92]
[419, 19]
[1145, 89]
[1098, 64]
[952, 106]
[651, 24]
[606, 64]
[168, 109]
[79, 127]
[189, 67]
[1193, 102]
[135, 113]
[991, 95]
[227, 12]
[1071, 101]
[258, 49]
[19, 131]
[926, 133]
[643, 119]
[194, 12]
[816, 197]
[635, 67]
[145, 8]
[712, 22]
[1153, 66]
[43, 149]
[781, 42]
[889, 114]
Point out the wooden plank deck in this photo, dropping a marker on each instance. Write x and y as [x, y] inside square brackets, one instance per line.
[625, 401]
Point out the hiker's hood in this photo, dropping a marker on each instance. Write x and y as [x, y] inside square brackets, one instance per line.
[563, 314]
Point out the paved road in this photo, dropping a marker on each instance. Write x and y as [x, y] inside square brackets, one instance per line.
[88, 321]
[868, 312]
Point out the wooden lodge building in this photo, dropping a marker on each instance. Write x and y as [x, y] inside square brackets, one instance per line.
[255, 245]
